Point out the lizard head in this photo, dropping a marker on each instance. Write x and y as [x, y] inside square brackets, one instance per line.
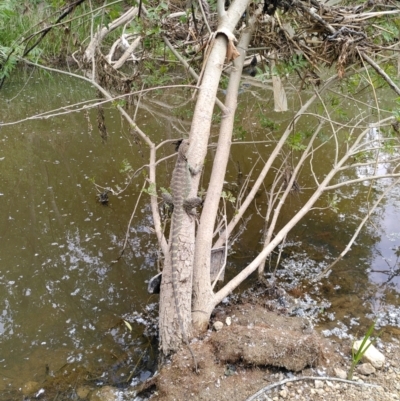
[183, 147]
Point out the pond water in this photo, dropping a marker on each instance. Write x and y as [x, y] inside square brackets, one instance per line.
[64, 289]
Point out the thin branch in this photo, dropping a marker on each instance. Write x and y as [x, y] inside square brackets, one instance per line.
[243, 274]
[362, 179]
[85, 106]
[232, 224]
[68, 9]
[130, 221]
[191, 71]
[226, 250]
[152, 172]
[380, 72]
[271, 386]
[357, 232]
[203, 13]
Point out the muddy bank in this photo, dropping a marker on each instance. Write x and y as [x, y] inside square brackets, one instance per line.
[261, 348]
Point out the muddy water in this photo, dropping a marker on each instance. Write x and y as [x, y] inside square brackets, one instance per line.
[63, 294]
[62, 297]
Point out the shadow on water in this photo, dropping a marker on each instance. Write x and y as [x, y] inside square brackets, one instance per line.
[65, 303]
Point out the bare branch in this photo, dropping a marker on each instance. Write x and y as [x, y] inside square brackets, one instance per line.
[99, 36]
[357, 232]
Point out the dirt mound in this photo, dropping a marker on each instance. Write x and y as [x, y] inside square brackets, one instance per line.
[273, 347]
[234, 363]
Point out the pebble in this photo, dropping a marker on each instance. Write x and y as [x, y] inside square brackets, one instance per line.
[83, 391]
[371, 355]
[217, 326]
[340, 373]
[318, 384]
[366, 369]
[30, 387]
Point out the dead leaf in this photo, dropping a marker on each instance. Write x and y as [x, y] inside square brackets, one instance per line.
[231, 51]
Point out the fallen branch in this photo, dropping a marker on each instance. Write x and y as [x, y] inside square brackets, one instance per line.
[99, 36]
[271, 386]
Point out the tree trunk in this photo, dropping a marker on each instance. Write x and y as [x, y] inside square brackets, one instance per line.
[204, 300]
[171, 336]
[170, 333]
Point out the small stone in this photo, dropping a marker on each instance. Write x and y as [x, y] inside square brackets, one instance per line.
[283, 393]
[217, 326]
[83, 392]
[30, 387]
[228, 321]
[372, 355]
[320, 391]
[106, 393]
[340, 373]
[366, 369]
[318, 384]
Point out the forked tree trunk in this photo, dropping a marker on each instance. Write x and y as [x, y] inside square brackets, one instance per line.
[170, 332]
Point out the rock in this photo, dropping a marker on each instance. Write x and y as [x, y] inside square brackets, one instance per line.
[372, 355]
[340, 373]
[318, 384]
[228, 321]
[83, 391]
[154, 285]
[284, 393]
[30, 387]
[366, 369]
[217, 326]
[106, 393]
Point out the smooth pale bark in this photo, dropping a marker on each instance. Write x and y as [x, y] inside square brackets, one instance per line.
[170, 334]
[100, 35]
[203, 298]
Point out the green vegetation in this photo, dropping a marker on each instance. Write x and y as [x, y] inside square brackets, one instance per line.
[22, 24]
[266, 122]
[357, 355]
[295, 141]
[297, 62]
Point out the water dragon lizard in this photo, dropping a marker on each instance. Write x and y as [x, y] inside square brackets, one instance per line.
[180, 186]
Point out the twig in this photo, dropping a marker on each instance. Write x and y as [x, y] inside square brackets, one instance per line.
[380, 72]
[68, 9]
[203, 8]
[226, 249]
[361, 225]
[130, 221]
[191, 71]
[271, 386]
